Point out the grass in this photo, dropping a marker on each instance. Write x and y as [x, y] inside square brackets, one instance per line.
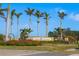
[52, 48]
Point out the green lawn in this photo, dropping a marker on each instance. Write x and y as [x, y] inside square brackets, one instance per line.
[52, 48]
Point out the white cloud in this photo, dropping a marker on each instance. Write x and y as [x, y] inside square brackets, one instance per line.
[74, 16]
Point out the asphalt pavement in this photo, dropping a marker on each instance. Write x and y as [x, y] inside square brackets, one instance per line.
[7, 52]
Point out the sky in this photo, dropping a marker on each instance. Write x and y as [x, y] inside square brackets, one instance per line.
[69, 21]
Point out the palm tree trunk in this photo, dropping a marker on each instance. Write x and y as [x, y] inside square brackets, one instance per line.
[47, 28]
[5, 29]
[61, 36]
[8, 23]
[38, 29]
[30, 23]
[11, 30]
[17, 28]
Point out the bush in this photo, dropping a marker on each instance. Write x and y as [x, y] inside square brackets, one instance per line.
[11, 42]
[23, 43]
[58, 42]
[1, 37]
[2, 43]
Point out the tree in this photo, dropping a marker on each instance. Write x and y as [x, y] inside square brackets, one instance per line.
[25, 33]
[18, 15]
[61, 15]
[12, 14]
[38, 14]
[8, 23]
[30, 13]
[7, 19]
[50, 34]
[46, 17]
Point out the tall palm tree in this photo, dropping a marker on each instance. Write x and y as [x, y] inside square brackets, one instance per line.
[61, 15]
[8, 23]
[7, 19]
[18, 15]
[38, 14]
[30, 13]
[12, 14]
[46, 17]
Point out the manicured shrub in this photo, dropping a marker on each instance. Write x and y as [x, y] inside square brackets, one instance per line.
[2, 43]
[23, 43]
[11, 42]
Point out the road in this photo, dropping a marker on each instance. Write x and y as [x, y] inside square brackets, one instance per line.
[48, 54]
[6, 52]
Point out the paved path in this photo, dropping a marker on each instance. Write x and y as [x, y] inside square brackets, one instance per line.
[48, 54]
[5, 52]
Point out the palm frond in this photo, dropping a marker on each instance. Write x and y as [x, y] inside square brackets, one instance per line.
[46, 16]
[12, 13]
[1, 13]
[29, 11]
[38, 14]
[18, 14]
[61, 14]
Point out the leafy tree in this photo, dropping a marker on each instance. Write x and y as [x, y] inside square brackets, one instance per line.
[50, 34]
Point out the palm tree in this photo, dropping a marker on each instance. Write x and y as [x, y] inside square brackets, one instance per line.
[25, 33]
[7, 19]
[30, 13]
[38, 15]
[8, 23]
[18, 15]
[61, 15]
[46, 17]
[12, 14]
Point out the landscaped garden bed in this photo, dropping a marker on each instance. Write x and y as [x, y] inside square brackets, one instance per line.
[23, 43]
[20, 43]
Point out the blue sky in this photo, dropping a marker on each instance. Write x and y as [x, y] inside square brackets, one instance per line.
[70, 21]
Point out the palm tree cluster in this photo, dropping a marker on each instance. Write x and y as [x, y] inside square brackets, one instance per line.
[30, 12]
[25, 33]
